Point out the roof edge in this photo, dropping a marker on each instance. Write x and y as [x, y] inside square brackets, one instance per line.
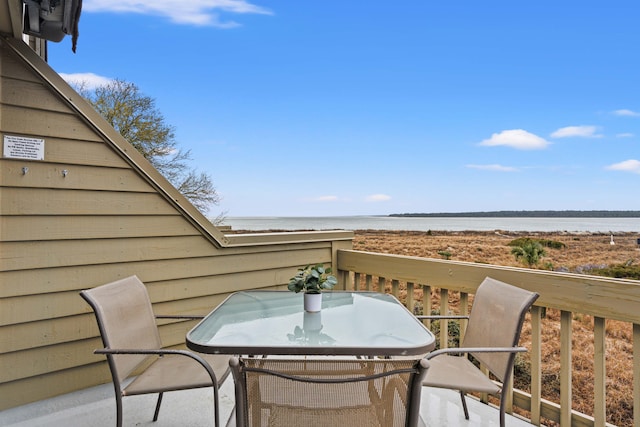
[281, 238]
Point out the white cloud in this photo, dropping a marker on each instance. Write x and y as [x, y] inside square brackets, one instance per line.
[377, 198]
[627, 113]
[580, 131]
[624, 135]
[194, 12]
[626, 166]
[516, 138]
[495, 167]
[89, 81]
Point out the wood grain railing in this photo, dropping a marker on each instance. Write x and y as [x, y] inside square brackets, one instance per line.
[425, 285]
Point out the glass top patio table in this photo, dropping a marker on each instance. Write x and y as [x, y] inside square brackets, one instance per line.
[275, 323]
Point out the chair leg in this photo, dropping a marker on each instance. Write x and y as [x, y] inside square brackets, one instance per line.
[118, 410]
[157, 412]
[216, 408]
[503, 405]
[464, 405]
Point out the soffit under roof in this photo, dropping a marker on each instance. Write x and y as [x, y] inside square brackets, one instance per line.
[11, 18]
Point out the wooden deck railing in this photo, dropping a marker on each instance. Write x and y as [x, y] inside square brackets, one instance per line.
[418, 282]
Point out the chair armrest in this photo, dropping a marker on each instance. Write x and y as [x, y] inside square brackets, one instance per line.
[437, 316]
[178, 316]
[459, 350]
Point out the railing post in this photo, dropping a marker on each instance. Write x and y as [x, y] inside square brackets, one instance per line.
[444, 323]
[566, 333]
[382, 284]
[344, 277]
[464, 311]
[484, 397]
[368, 282]
[426, 303]
[356, 281]
[599, 373]
[395, 288]
[508, 388]
[411, 304]
[536, 364]
[636, 375]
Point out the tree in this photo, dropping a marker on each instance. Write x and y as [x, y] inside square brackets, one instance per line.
[530, 252]
[138, 120]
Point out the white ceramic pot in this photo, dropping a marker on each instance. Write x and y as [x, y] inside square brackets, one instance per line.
[312, 302]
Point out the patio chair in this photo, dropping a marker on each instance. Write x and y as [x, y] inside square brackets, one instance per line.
[491, 337]
[132, 343]
[327, 392]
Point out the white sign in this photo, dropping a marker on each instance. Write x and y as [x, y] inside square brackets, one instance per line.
[20, 147]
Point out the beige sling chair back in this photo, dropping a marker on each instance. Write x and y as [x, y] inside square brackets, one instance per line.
[131, 342]
[491, 337]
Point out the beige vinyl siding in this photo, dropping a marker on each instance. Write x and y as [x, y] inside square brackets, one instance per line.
[37, 201]
[109, 215]
[27, 228]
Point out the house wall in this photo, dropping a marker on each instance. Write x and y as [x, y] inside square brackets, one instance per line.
[93, 211]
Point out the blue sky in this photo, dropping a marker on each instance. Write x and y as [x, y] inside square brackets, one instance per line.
[330, 108]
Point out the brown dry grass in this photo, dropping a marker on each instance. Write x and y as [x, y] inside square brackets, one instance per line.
[491, 247]
[581, 250]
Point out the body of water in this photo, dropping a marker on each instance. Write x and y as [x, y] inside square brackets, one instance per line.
[594, 225]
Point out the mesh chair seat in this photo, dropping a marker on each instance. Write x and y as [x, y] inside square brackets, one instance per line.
[458, 373]
[172, 373]
[327, 392]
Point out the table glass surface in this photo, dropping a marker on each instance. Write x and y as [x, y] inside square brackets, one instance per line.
[274, 322]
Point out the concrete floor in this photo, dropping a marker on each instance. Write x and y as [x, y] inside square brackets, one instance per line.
[95, 407]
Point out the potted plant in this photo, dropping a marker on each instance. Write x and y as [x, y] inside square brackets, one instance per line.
[312, 279]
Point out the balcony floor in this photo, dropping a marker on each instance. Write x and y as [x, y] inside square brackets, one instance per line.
[96, 407]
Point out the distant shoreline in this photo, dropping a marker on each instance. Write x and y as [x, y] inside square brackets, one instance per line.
[524, 214]
[451, 223]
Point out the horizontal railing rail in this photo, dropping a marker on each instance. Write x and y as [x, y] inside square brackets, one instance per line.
[428, 285]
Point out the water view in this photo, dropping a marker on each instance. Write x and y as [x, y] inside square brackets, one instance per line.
[593, 225]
